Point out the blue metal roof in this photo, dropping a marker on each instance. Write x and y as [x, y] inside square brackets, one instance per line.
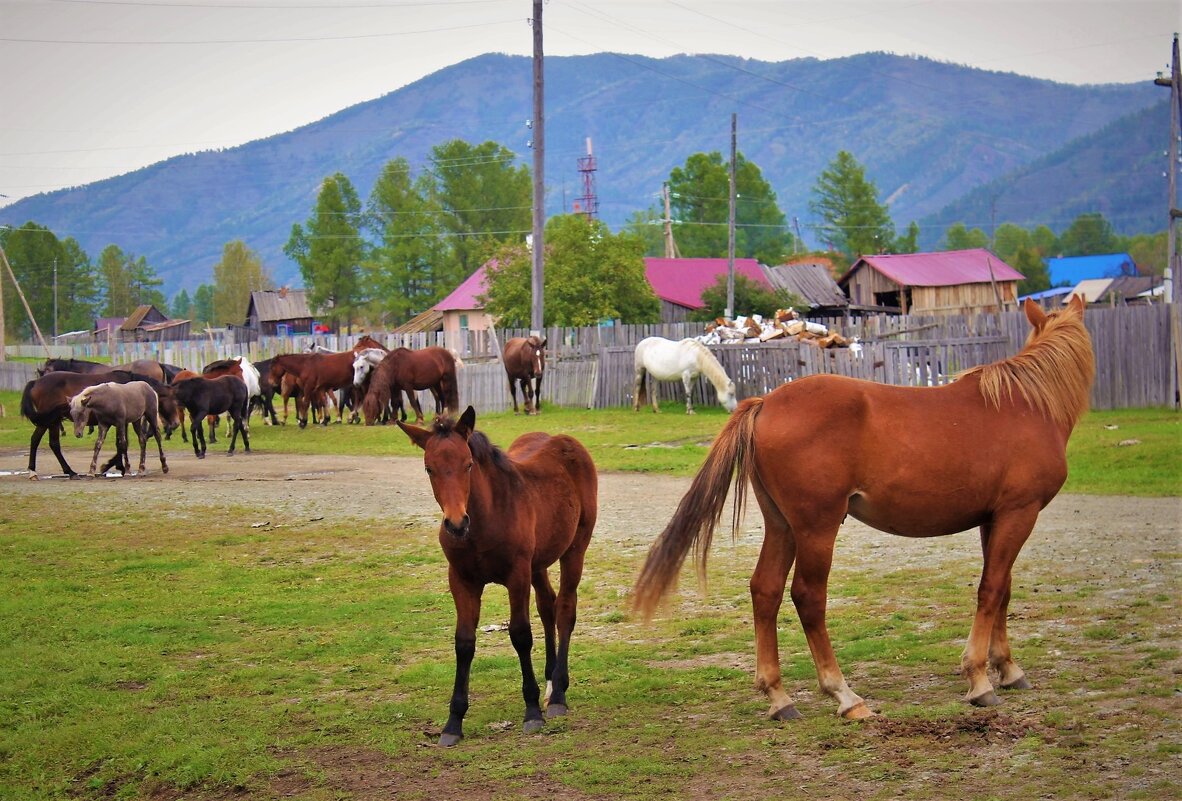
[1048, 293]
[1070, 270]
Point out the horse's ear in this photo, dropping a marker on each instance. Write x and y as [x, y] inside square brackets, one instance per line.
[542, 344]
[1077, 303]
[417, 435]
[467, 423]
[1035, 314]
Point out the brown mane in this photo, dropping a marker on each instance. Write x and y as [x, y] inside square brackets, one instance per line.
[1053, 372]
[483, 451]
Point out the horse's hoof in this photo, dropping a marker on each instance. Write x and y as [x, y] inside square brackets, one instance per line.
[533, 726]
[448, 740]
[858, 711]
[1021, 683]
[556, 710]
[201, 456]
[786, 713]
[229, 453]
[164, 469]
[986, 699]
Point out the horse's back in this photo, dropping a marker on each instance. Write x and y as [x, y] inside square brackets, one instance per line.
[562, 477]
[910, 460]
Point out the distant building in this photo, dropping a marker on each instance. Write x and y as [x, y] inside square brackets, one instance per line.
[149, 324]
[941, 283]
[462, 310]
[279, 312]
[812, 282]
[679, 283]
[1070, 270]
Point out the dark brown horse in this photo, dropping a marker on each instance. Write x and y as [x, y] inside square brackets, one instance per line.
[525, 361]
[203, 396]
[987, 451]
[45, 402]
[405, 370]
[115, 405]
[506, 518]
[144, 367]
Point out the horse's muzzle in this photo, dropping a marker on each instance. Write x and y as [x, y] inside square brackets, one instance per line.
[458, 530]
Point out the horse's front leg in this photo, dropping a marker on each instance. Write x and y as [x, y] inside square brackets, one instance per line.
[98, 446]
[141, 431]
[538, 394]
[1000, 543]
[467, 600]
[564, 615]
[522, 637]
[687, 381]
[544, 597]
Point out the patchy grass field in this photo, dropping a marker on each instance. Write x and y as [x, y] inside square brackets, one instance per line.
[278, 626]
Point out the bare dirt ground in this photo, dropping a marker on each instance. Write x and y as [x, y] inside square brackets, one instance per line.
[633, 508]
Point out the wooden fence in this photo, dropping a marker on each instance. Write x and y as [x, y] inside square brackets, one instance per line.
[592, 366]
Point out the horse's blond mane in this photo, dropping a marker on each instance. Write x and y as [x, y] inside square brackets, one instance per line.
[79, 400]
[710, 366]
[1053, 372]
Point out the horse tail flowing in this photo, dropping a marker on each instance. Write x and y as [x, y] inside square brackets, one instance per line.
[700, 510]
[28, 408]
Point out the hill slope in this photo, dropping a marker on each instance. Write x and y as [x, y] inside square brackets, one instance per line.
[927, 132]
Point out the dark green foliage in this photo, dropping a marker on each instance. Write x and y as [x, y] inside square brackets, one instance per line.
[846, 201]
[330, 250]
[750, 298]
[33, 253]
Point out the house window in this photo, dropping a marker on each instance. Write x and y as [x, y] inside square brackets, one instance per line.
[463, 322]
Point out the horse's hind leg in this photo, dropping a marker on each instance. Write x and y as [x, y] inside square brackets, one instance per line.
[814, 557]
[767, 595]
[98, 446]
[1000, 542]
[141, 432]
[687, 382]
[55, 445]
[544, 596]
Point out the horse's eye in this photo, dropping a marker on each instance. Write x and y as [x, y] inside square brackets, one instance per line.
[469, 467]
[428, 469]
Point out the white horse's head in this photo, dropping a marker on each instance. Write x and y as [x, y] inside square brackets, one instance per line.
[726, 396]
[365, 361]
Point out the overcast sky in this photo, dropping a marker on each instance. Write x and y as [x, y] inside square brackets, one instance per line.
[96, 88]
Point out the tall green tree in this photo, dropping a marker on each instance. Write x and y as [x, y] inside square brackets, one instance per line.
[35, 253]
[846, 201]
[239, 273]
[402, 275]
[203, 304]
[181, 307]
[647, 225]
[127, 282]
[1148, 251]
[330, 251]
[699, 193]
[750, 298]
[1089, 235]
[1035, 275]
[483, 201]
[958, 237]
[591, 275]
[908, 242]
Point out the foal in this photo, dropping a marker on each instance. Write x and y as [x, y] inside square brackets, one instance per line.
[506, 518]
[111, 404]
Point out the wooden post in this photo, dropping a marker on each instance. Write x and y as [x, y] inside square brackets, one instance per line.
[25, 303]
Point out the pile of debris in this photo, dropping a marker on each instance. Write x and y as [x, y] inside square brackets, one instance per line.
[784, 323]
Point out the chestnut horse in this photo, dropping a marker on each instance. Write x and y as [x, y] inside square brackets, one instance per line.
[508, 516]
[404, 370]
[988, 451]
[525, 361]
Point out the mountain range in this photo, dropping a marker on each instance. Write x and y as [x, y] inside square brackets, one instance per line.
[943, 143]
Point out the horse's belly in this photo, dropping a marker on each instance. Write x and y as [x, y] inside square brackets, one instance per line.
[918, 517]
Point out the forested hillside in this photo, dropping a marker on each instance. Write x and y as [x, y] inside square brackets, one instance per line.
[927, 132]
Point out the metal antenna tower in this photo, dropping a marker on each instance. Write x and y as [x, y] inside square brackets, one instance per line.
[587, 203]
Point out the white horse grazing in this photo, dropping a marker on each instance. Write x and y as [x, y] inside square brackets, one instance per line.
[666, 360]
[364, 363]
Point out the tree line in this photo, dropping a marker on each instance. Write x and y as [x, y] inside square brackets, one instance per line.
[421, 233]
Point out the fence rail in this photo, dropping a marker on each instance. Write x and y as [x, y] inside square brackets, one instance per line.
[592, 366]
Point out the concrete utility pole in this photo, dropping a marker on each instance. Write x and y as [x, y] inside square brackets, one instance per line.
[537, 283]
[671, 251]
[3, 345]
[730, 245]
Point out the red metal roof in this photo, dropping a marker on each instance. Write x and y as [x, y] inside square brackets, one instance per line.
[681, 281]
[945, 268]
[464, 297]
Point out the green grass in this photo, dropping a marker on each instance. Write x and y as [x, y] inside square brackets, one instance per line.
[673, 443]
[179, 653]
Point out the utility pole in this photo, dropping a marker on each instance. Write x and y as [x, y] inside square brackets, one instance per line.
[25, 303]
[1173, 264]
[539, 222]
[55, 300]
[671, 251]
[730, 245]
[3, 345]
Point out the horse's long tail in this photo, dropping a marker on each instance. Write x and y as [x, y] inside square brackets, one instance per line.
[28, 408]
[698, 513]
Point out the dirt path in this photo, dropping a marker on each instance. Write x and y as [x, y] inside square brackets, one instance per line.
[284, 488]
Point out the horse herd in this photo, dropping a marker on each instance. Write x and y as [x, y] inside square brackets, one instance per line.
[987, 451]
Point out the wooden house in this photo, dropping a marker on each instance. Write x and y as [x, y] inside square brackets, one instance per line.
[812, 282]
[462, 310]
[679, 283]
[948, 282]
[279, 312]
[141, 324]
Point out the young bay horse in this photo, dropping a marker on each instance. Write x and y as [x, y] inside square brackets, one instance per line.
[115, 405]
[238, 366]
[987, 451]
[508, 516]
[525, 361]
[203, 396]
[45, 402]
[405, 370]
